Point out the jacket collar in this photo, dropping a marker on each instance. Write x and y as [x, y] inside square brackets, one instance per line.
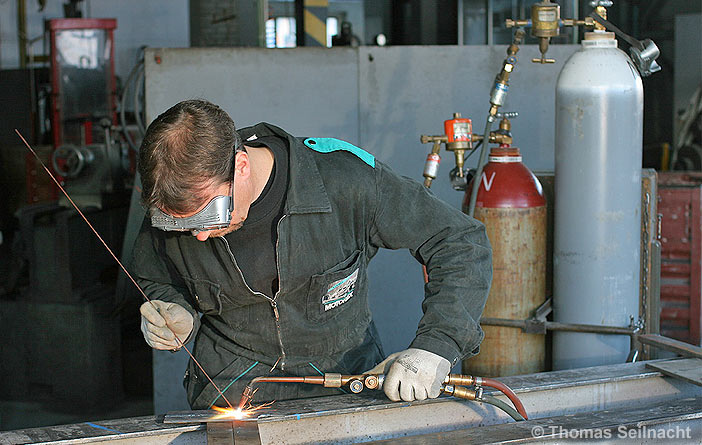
[306, 192]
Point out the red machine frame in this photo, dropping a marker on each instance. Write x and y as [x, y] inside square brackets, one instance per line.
[55, 25]
[52, 27]
[680, 204]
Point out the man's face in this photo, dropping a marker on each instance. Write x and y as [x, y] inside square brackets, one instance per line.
[241, 192]
[238, 214]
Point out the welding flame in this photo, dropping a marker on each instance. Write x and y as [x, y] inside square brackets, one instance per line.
[230, 413]
[239, 414]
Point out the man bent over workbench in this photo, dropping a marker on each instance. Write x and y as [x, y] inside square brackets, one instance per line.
[268, 236]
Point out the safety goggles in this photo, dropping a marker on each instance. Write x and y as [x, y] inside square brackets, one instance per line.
[217, 214]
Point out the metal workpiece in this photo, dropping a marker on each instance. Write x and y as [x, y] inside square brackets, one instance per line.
[597, 234]
[646, 423]
[370, 416]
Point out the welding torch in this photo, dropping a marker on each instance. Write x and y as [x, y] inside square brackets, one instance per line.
[454, 385]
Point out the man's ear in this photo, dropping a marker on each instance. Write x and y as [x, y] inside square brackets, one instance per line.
[242, 165]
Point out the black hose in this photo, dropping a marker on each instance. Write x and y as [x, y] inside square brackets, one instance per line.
[503, 406]
[479, 168]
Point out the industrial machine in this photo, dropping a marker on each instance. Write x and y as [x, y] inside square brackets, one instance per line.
[69, 272]
[87, 151]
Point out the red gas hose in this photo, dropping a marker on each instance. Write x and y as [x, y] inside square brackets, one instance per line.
[492, 383]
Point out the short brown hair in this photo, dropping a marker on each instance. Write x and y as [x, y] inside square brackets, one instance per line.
[188, 148]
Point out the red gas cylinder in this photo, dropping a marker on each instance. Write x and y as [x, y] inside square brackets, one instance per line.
[512, 206]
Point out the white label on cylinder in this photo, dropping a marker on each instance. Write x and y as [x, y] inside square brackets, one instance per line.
[505, 159]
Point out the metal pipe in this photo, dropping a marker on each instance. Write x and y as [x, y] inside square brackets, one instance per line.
[556, 326]
[22, 32]
[461, 23]
[682, 348]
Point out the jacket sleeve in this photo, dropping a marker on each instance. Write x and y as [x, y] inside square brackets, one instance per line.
[156, 278]
[456, 251]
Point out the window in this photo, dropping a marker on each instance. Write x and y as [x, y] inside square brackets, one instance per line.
[281, 32]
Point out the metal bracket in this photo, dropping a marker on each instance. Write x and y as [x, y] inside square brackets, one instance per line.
[643, 52]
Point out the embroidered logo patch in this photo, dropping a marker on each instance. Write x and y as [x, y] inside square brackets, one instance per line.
[340, 292]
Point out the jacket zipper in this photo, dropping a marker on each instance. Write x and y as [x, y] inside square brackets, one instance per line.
[280, 286]
[274, 304]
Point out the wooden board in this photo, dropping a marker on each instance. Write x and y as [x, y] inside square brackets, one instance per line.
[687, 369]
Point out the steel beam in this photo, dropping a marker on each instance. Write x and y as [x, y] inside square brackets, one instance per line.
[370, 416]
[663, 422]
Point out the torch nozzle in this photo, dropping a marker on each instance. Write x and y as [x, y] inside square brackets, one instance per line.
[246, 397]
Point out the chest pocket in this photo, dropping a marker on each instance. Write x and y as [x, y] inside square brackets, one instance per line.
[338, 290]
[207, 295]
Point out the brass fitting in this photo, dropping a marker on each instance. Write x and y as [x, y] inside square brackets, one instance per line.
[356, 386]
[460, 392]
[459, 380]
[602, 12]
[499, 138]
[546, 23]
[495, 138]
[372, 382]
[545, 17]
[332, 380]
[509, 23]
[431, 167]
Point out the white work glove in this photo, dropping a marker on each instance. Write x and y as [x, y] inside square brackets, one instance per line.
[412, 374]
[155, 315]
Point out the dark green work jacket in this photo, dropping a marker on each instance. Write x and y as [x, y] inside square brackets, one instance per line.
[341, 207]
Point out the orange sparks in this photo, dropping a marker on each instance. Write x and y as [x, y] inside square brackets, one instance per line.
[239, 414]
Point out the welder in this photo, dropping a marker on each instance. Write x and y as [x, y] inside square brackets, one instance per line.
[256, 245]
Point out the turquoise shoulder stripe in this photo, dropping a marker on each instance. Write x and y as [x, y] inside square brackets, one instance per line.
[327, 145]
